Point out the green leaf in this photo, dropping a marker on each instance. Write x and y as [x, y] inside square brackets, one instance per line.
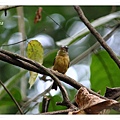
[85, 31]
[40, 107]
[34, 52]
[104, 72]
[71, 93]
[6, 103]
[7, 107]
[11, 82]
[49, 58]
[52, 104]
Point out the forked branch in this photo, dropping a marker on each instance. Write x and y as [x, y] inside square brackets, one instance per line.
[97, 35]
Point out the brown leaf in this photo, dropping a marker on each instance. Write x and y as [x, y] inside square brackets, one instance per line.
[84, 99]
[90, 103]
[95, 109]
[38, 15]
[116, 107]
[112, 93]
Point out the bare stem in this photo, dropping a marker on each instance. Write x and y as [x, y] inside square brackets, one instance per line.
[57, 112]
[21, 27]
[45, 104]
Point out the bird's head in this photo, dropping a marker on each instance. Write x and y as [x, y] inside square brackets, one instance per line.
[63, 50]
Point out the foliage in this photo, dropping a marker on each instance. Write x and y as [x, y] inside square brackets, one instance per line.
[102, 73]
[34, 52]
[65, 28]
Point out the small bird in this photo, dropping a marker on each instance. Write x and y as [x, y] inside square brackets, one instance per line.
[61, 62]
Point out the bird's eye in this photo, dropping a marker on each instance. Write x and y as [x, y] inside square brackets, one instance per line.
[66, 48]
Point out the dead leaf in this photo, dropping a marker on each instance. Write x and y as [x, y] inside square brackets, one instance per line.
[84, 99]
[90, 103]
[112, 93]
[96, 109]
[38, 15]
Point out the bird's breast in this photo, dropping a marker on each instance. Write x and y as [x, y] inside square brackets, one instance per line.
[61, 64]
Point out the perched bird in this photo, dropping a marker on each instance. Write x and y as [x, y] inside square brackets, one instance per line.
[61, 62]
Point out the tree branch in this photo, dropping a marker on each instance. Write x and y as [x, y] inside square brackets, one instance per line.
[11, 97]
[93, 47]
[31, 65]
[6, 7]
[97, 35]
[36, 67]
[66, 100]
[74, 83]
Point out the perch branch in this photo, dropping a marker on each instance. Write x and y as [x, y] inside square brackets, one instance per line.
[30, 65]
[36, 67]
[97, 35]
[11, 97]
[75, 84]
[66, 100]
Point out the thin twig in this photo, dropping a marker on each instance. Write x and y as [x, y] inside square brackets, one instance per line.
[15, 43]
[31, 107]
[97, 35]
[93, 47]
[6, 7]
[34, 99]
[17, 105]
[45, 104]
[57, 112]
[56, 23]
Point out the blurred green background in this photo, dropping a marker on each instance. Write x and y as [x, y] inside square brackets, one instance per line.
[58, 26]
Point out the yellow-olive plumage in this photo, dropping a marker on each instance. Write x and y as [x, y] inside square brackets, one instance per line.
[61, 62]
